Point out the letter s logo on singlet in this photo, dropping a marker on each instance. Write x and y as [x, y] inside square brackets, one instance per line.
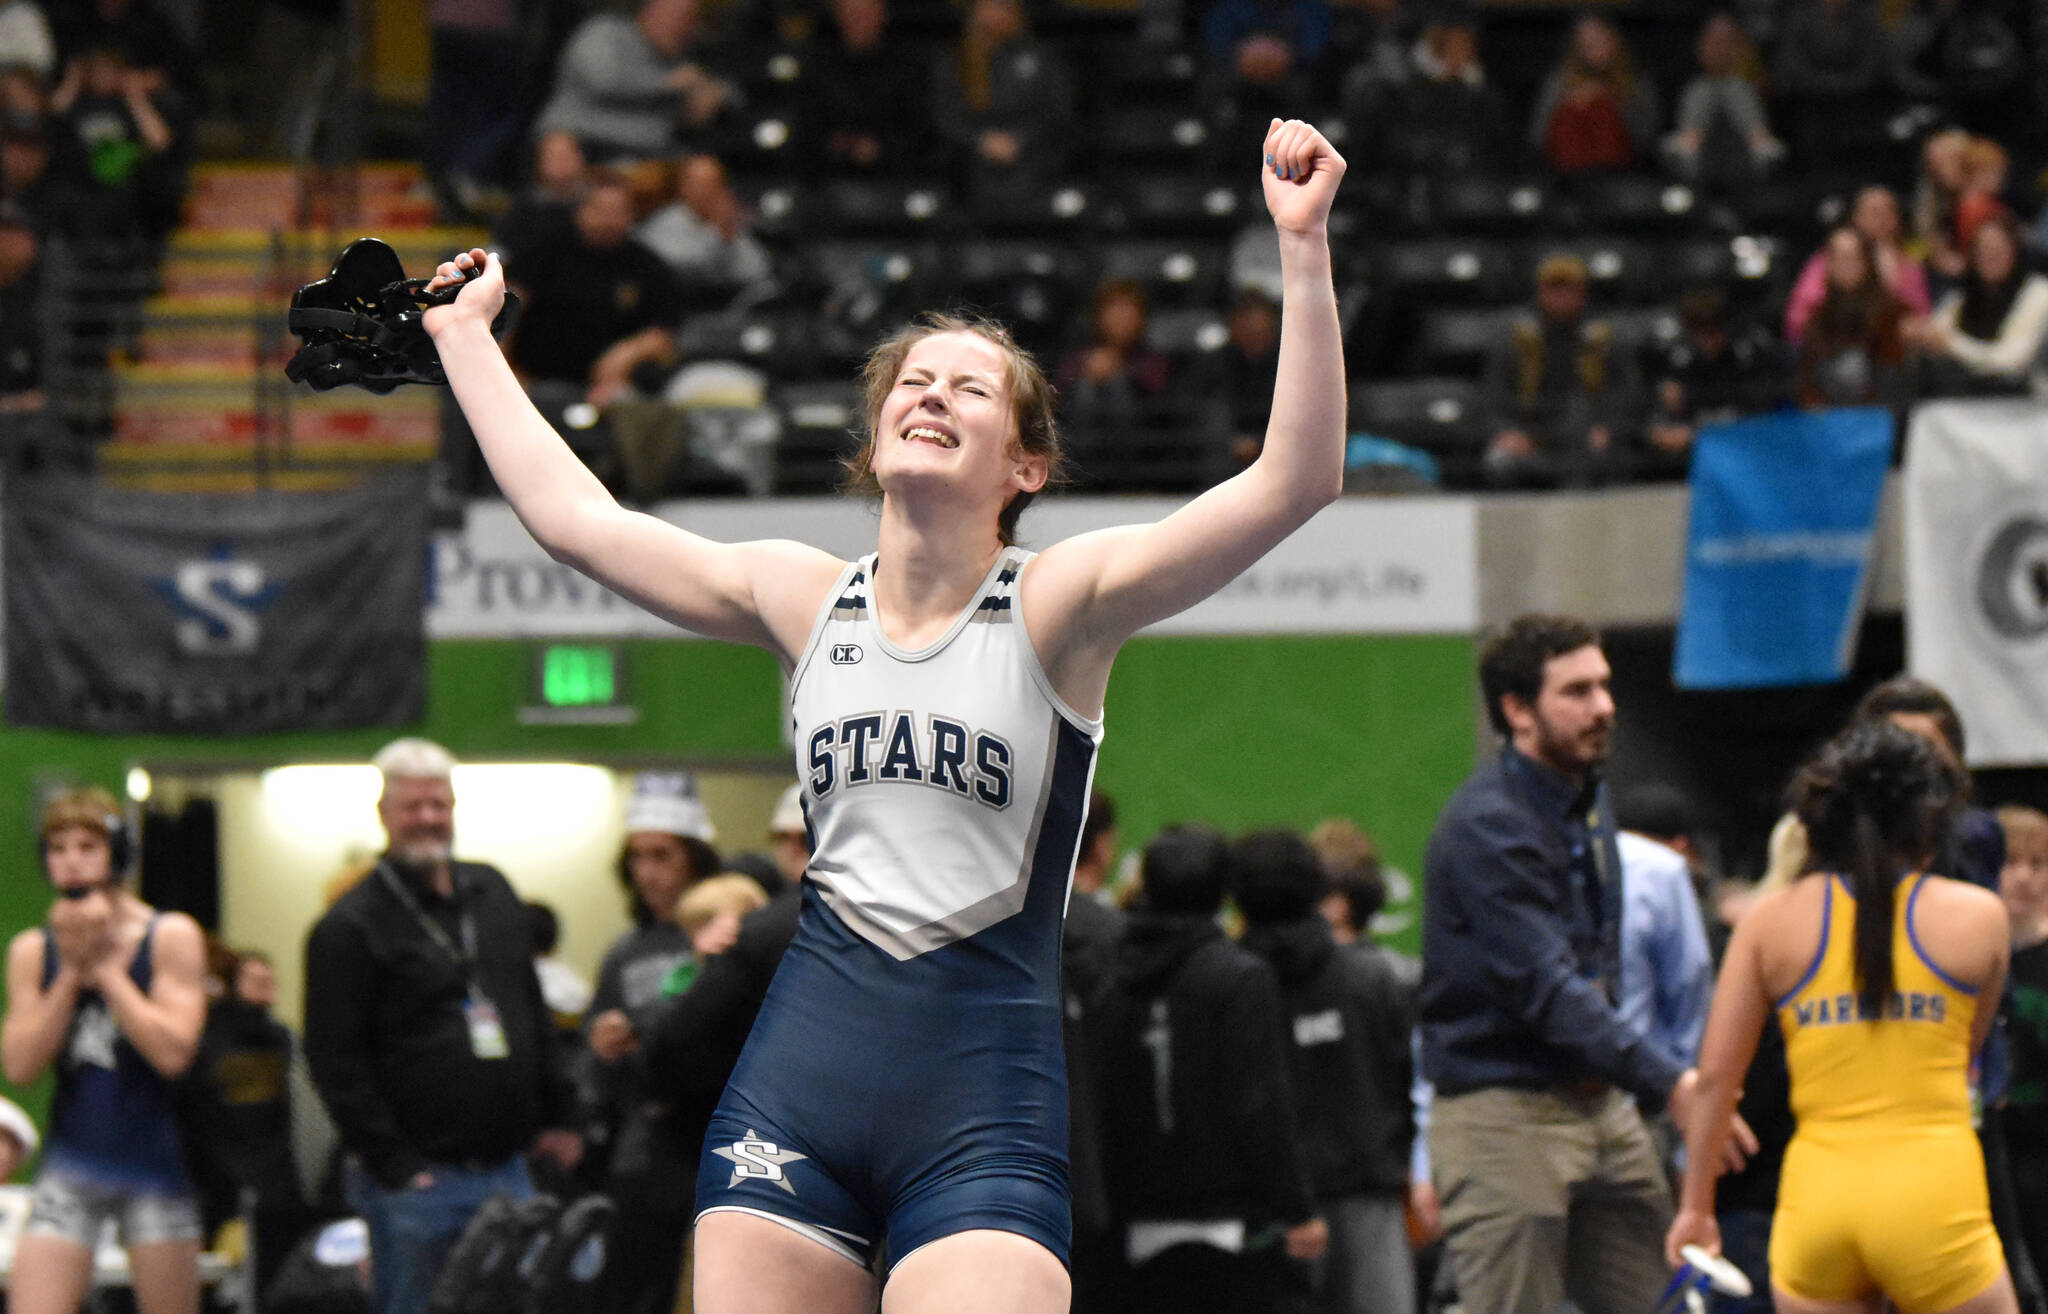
[754, 1159]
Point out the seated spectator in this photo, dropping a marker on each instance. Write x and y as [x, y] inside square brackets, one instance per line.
[27, 179]
[1829, 48]
[1960, 52]
[1594, 114]
[1717, 372]
[1235, 381]
[1443, 118]
[25, 38]
[1854, 350]
[547, 207]
[1722, 139]
[1875, 215]
[125, 145]
[1265, 62]
[1110, 386]
[636, 86]
[867, 95]
[1560, 390]
[1003, 101]
[1935, 199]
[21, 92]
[1986, 338]
[599, 306]
[1983, 192]
[21, 319]
[1374, 36]
[145, 35]
[702, 236]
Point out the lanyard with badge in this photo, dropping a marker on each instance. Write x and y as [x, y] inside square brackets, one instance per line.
[486, 1027]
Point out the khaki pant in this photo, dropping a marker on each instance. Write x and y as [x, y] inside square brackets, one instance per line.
[1548, 1195]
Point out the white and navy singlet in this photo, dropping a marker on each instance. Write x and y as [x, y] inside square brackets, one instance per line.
[905, 1079]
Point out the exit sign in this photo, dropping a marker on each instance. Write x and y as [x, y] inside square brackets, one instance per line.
[579, 684]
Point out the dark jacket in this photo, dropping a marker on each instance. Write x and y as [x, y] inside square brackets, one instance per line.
[1514, 949]
[582, 300]
[1087, 974]
[236, 1110]
[615, 1093]
[1348, 1024]
[694, 1039]
[389, 1042]
[879, 92]
[1198, 1114]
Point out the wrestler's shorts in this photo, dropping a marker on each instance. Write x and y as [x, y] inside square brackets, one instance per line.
[71, 1207]
[1911, 1219]
[753, 1167]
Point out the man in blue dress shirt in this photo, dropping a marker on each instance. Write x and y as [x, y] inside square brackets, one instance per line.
[1667, 971]
[1551, 1185]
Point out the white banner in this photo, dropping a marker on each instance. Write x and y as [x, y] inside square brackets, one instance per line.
[1363, 566]
[1976, 551]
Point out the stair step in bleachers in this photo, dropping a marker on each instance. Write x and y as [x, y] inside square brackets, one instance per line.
[267, 197]
[203, 393]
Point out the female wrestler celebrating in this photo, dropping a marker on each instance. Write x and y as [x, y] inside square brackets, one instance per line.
[1885, 981]
[900, 1108]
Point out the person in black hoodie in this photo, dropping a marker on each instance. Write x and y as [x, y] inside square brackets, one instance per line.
[236, 1113]
[1348, 1019]
[694, 1038]
[1088, 948]
[1201, 1142]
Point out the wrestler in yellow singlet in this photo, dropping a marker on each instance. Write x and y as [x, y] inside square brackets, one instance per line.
[1883, 1184]
[1882, 1194]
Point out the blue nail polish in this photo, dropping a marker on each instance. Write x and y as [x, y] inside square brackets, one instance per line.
[1269, 161]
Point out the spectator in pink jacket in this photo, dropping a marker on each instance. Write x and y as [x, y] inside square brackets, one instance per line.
[1876, 215]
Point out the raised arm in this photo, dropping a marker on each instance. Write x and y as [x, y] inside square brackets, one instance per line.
[763, 593]
[1085, 596]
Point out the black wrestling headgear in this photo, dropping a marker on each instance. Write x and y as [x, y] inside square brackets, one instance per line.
[365, 323]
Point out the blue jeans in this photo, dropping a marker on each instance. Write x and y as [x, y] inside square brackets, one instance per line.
[413, 1228]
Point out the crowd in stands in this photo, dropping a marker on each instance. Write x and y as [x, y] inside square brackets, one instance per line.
[1575, 240]
[98, 105]
[1782, 203]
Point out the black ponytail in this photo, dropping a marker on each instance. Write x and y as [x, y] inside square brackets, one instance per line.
[1872, 878]
[1877, 803]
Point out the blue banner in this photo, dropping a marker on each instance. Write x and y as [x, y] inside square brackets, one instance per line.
[1777, 554]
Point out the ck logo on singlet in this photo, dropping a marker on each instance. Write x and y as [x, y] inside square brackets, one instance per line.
[845, 654]
[754, 1159]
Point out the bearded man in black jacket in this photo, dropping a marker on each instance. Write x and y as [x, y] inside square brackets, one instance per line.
[1346, 1029]
[1201, 1142]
